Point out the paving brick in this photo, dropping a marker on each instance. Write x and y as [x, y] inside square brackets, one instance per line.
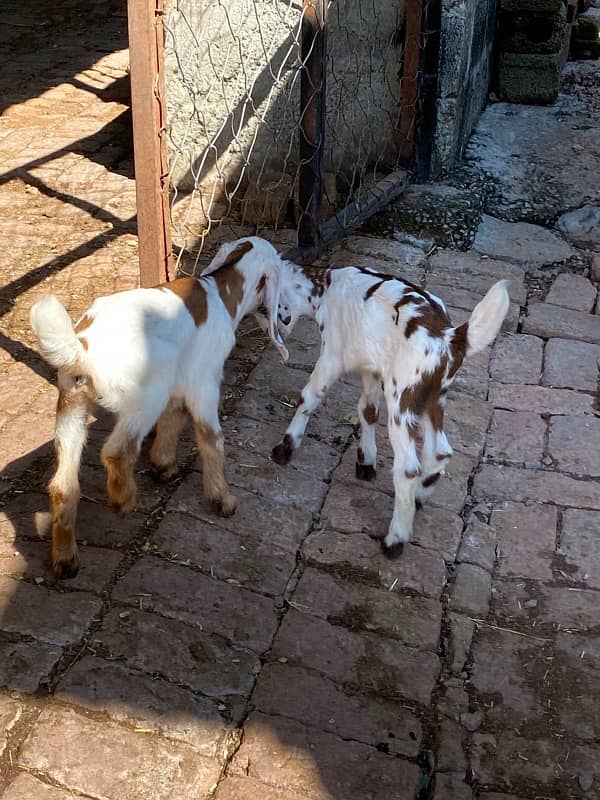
[509, 675]
[520, 485]
[498, 796]
[472, 269]
[244, 788]
[575, 667]
[371, 663]
[521, 242]
[293, 757]
[540, 610]
[473, 378]
[413, 620]
[26, 516]
[451, 787]
[471, 590]
[282, 690]
[26, 787]
[180, 593]
[358, 557]
[519, 763]
[139, 764]
[572, 364]
[517, 358]
[252, 561]
[254, 516]
[286, 485]
[45, 615]
[459, 641]
[260, 437]
[517, 437]
[180, 653]
[25, 439]
[478, 545]
[574, 444]
[526, 539]
[144, 702]
[30, 560]
[540, 399]
[24, 664]
[551, 321]
[572, 291]
[466, 421]
[451, 747]
[388, 249]
[580, 546]
[10, 712]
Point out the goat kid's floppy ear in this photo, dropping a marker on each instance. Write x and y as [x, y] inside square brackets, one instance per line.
[227, 255]
[272, 292]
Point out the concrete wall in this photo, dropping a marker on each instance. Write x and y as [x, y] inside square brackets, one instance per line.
[233, 88]
[467, 41]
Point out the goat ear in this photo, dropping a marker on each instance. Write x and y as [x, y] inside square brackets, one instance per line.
[272, 292]
[228, 255]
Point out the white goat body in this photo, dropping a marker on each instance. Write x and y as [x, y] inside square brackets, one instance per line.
[150, 356]
[399, 339]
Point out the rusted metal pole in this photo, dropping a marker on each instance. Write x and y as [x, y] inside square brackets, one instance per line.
[312, 137]
[409, 84]
[148, 108]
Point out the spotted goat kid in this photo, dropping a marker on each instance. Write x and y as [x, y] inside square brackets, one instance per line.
[401, 342]
[150, 356]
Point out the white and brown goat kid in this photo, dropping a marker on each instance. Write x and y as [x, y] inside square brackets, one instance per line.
[150, 356]
[399, 339]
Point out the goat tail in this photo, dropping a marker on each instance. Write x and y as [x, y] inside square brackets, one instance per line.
[56, 337]
[487, 318]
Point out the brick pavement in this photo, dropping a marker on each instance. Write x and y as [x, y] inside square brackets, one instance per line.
[277, 654]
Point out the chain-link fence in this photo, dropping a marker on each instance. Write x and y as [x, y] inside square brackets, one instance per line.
[289, 116]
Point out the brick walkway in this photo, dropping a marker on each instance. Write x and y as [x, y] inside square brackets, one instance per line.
[277, 654]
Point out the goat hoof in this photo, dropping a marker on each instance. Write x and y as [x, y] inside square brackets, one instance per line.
[282, 452]
[225, 506]
[66, 568]
[365, 472]
[164, 474]
[393, 551]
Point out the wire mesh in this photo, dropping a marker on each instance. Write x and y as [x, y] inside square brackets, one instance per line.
[233, 74]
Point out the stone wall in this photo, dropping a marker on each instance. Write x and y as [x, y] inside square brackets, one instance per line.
[233, 88]
[467, 41]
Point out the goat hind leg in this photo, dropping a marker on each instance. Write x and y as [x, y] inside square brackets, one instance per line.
[368, 413]
[163, 453]
[70, 437]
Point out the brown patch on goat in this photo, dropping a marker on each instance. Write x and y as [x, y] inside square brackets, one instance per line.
[193, 294]
[320, 280]
[458, 348]
[413, 473]
[431, 479]
[236, 254]
[373, 288]
[84, 323]
[230, 283]
[261, 284]
[371, 414]
[423, 396]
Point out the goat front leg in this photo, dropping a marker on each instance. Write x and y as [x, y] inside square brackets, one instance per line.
[70, 437]
[436, 453]
[402, 428]
[204, 408]
[368, 413]
[325, 373]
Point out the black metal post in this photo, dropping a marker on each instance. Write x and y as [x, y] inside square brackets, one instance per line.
[312, 138]
[431, 23]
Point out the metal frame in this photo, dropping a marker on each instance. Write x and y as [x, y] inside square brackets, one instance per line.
[414, 133]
